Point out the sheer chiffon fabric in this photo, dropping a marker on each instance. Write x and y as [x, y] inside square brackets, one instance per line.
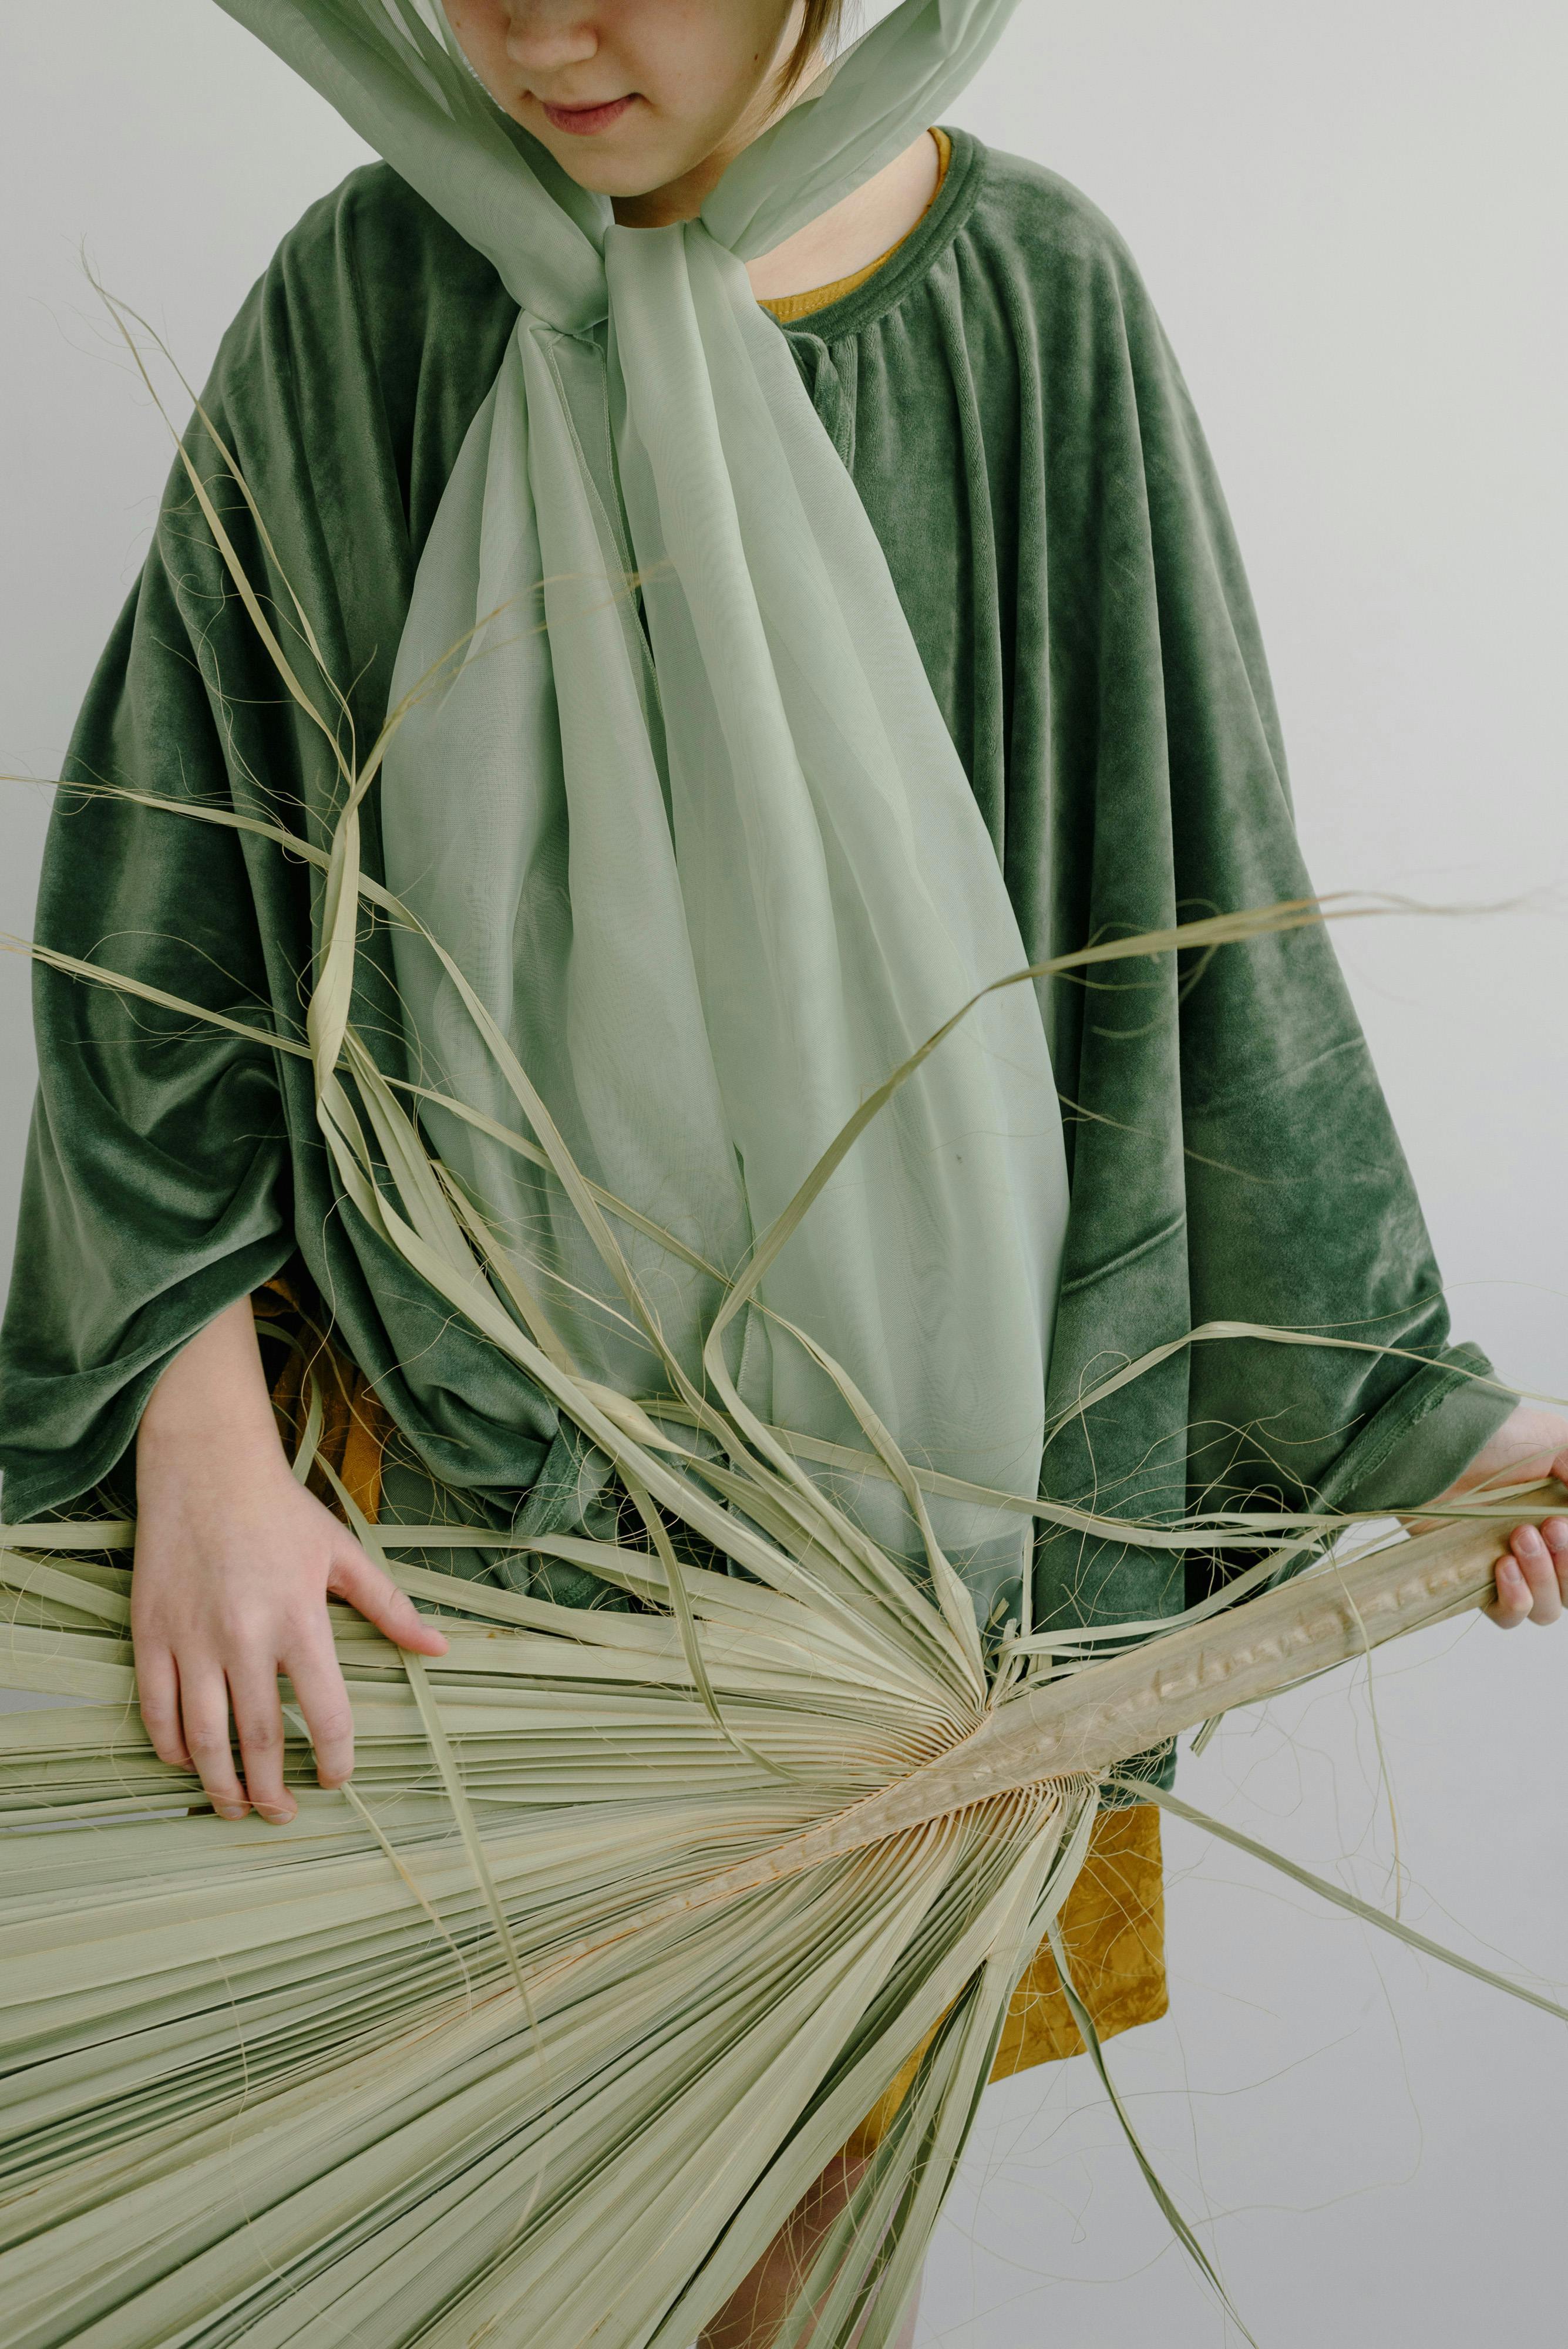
[673, 788]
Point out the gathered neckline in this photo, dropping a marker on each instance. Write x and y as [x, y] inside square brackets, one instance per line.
[857, 301]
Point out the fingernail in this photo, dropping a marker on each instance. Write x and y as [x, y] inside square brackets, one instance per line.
[275, 1817]
[230, 1810]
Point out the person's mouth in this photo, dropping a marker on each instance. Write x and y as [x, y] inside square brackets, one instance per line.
[586, 120]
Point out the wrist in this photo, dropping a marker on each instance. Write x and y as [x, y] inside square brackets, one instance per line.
[211, 1402]
[185, 1460]
[173, 1429]
[1523, 1448]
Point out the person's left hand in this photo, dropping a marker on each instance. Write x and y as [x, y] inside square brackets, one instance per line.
[1533, 1572]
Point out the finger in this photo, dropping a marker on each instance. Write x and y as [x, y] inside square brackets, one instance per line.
[258, 1722]
[360, 1581]
[1534, 1562]
[1554, 1534]
[204, 1715]
[324, 1701]
[158, 1699]
[1512, 1606]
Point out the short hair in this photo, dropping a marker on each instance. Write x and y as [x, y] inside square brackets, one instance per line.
[819, 31]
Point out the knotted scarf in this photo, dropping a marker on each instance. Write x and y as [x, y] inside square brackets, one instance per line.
[674, 790]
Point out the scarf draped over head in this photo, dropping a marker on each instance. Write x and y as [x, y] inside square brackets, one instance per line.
[683, 807]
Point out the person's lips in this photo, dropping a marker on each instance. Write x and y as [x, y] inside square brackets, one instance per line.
[583, 119]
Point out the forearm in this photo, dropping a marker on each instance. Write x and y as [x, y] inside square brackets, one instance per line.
[1532, 1573]
[213, 1394]
[1525, 1448]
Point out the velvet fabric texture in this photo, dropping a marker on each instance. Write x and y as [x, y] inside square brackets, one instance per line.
[1021, 438]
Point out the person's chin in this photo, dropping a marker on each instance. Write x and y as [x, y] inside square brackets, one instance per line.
[605, 175]
[635, 171]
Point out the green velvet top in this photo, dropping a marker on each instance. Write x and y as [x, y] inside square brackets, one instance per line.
[1021, 440]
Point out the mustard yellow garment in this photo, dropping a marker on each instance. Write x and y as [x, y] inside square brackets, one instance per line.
[1113, 1928]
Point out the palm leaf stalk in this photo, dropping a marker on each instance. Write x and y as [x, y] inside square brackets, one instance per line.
[267, 2080]
[541, 2026]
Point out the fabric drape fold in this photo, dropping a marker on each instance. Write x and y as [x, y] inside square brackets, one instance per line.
[675, 792]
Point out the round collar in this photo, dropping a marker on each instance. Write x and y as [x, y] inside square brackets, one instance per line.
[910, 259]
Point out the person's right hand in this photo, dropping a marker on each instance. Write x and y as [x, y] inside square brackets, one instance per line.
[234, 1563]
[1531, 1575]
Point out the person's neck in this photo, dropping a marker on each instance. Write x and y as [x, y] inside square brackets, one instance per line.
[848, 237]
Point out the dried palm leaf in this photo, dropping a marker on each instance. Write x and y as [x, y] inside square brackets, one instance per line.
[543, 2023]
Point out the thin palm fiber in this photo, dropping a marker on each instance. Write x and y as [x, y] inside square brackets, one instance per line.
[628, 1916]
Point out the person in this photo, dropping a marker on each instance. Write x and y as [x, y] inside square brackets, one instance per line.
[976, 343]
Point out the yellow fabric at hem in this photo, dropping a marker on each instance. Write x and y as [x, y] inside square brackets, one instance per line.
[1112, 1927]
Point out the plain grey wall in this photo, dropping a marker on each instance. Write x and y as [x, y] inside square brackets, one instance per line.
[1352, 219]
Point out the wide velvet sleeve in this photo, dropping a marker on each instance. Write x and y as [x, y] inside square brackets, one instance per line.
[1233, 1158]
[1302, 1215]
[156, 1187]
[174, 1165]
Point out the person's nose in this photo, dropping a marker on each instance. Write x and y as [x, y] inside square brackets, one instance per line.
[543, 35]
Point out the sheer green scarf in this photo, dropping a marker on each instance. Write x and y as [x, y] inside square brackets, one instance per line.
[702, 842]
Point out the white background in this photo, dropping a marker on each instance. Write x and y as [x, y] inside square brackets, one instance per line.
[1352, 218]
